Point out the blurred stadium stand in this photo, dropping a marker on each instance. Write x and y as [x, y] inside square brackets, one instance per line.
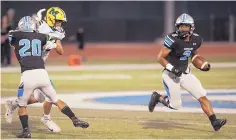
[140, 21]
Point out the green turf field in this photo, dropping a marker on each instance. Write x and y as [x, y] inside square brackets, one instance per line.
[123, 124]
[140, 80]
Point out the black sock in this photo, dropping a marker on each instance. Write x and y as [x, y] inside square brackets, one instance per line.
[166, 102]
[212, 118]
[67, 111]
[24, 121]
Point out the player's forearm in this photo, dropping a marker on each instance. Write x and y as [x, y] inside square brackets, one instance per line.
[59, 48]
[162, 61]
[162, 58]
[196, 53]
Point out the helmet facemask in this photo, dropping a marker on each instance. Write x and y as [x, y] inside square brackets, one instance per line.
[60, 25]
[184, 33]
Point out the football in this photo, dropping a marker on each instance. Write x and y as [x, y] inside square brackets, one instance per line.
[199, 62]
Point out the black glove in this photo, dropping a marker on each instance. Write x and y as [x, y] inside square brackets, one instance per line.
[176, 72]
[206, 69]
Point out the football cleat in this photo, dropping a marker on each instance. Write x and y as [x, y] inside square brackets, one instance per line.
[53, 127]
[9, 111]
[79, 123]
[218, 123]
[24, 134]
[153, 101]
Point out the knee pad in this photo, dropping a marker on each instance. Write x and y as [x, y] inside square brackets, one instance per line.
[38, 95]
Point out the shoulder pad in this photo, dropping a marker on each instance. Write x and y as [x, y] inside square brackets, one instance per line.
[174, 35]
[198, 37]
[44, 28]
[169, 40]
[11, 31]
[195, 34]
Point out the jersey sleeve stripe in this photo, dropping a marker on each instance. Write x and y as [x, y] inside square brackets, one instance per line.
[167, 45]
[170, 39]
[167, 41]
[40, 22]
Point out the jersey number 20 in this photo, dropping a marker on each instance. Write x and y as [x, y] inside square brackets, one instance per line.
[186, 55]
[35, 45]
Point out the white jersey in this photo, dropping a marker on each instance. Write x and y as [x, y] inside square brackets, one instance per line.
[45, 29]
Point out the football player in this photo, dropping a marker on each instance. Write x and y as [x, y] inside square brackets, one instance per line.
[179, 46]
[28, 46]
[53, 26]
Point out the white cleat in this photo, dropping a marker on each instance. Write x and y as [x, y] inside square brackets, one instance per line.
[53, 127]
[9, 111]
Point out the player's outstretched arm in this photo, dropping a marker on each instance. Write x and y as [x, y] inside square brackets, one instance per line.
[59, 47]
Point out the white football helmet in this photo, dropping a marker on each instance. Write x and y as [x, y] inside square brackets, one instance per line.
[27, 24]
[184, 19]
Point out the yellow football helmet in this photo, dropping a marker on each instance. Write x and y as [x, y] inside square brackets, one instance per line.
[53, 14]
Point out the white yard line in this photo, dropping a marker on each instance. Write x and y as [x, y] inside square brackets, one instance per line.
[112, 67]
[85, 101]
